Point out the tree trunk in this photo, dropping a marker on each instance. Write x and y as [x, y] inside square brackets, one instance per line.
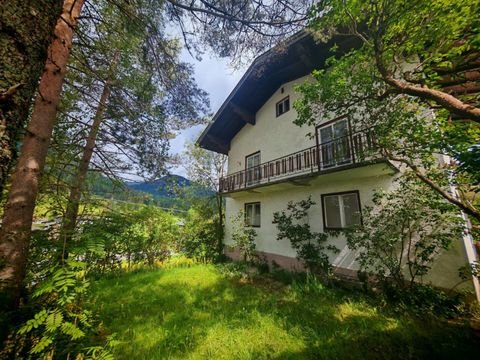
[220, 224]
[70, 218]
[26, 30]
[18, 215]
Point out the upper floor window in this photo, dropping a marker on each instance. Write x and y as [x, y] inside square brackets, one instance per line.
[283, 106]
[341, 210]
[252, 167]
[252, 214]
[334, 142]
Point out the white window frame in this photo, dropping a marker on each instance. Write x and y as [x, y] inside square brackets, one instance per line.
[252, 172]
[335, 144]
[340, 196]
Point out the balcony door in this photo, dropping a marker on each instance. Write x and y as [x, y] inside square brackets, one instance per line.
[252, 167]
[334, 144]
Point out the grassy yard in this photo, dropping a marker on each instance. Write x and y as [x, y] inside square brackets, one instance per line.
[197, 313]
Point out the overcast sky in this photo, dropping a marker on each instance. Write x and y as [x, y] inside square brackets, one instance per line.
[217, 79]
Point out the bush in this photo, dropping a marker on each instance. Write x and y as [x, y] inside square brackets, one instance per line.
[243, 237]
[311, 247]
[403, 232]
[201, 237]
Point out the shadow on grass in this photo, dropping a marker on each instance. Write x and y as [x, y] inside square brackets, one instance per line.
[195, 313]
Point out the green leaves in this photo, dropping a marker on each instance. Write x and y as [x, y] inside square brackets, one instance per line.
[311, 247]
[404, 231]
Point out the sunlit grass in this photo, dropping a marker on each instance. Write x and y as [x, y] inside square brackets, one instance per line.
[196, 313]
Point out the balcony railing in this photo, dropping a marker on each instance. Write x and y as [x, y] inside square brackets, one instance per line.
[355, 148]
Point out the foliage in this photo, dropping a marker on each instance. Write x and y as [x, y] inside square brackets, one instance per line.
[395, 81]
[403, 232]
[206, 168]
[311, 247]
[201, 312]
[61, 324]
[243, 237]
[425, 300]
[146, 235]
[200, 235]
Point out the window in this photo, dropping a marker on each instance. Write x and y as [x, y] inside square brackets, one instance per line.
[252, 167]
[252, 214]
[341, 210]
[283, 106]
[334, 143]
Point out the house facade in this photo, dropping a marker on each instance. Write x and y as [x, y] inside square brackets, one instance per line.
[272, 161]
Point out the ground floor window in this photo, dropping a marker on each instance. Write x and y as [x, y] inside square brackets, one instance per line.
[252, 214]
[341, 210]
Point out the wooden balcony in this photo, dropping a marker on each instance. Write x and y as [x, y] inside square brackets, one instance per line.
[355, 149]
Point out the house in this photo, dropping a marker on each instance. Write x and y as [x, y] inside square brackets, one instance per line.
[271, 161]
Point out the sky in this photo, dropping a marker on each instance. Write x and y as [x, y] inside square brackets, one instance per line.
[218, 79]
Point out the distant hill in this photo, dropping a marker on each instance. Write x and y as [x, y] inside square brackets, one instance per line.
[164, 187]
[169, 191]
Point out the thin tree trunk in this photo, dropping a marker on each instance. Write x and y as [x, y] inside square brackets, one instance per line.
[70, 218]
[18, 215]
[26, 30]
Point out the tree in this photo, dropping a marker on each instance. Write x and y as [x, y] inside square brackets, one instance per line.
[17, 219]
[137, 119]
[238, 29]
[403, 232]
[206, 168]
[411, 78]
[26, 30]
[20, 205]
[438, 41]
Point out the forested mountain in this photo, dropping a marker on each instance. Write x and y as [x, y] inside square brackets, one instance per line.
[171, 191]
[167, 186]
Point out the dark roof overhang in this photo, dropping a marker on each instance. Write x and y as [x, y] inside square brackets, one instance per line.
[297, 57]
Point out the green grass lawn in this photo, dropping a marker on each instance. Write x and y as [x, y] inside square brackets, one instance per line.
[197, 313]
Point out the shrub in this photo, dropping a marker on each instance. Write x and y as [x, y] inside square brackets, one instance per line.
[311, 247]
[60, 324]
[404, 231]
[243, 237]
[201, 237]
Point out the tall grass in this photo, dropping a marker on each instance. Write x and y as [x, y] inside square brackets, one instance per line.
[197, 312]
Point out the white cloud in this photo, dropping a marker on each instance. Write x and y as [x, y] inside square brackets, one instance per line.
[215, 77]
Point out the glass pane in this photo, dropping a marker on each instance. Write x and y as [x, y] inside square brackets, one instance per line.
[340, 129]
[257, 215]
[326, 137]
[332, 211]
[342, 145]
[351, 209]
[248, 214]
[326, 134]
[256, 159]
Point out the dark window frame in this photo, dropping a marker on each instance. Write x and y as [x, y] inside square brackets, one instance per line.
[277, 112]
[324, 214]
[245, 212]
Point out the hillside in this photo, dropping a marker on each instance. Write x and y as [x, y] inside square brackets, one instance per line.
[167, 186]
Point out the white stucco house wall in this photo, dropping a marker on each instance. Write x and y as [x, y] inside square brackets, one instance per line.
[272, 161]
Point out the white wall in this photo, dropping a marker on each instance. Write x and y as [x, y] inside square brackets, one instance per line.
[272, 136]
[275, 137]
[273, 201]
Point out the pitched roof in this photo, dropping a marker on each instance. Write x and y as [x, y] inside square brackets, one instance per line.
[297, 57]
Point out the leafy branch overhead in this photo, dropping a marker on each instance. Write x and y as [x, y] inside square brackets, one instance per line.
[428, 50]
[411, 73]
